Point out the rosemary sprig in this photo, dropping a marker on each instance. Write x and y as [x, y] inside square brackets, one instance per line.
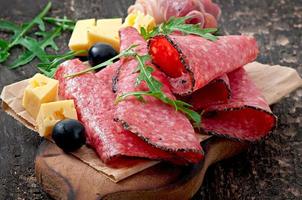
[179, 24]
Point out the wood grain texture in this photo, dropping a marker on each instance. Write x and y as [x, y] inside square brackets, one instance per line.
[271, 169]
[63, 176]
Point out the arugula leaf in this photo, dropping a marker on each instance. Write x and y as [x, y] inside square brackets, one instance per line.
[58, 59]
[23, 59]
[51, 42]
[3, 53]
[145, 74]
[36, 20]
[20, 31]
[126, 53]
[9, 26]
[28, 56]
[33, 46]
[64, 23]
[3, 44]
[179, 24]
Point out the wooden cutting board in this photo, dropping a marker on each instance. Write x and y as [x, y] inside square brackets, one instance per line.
[63, 176]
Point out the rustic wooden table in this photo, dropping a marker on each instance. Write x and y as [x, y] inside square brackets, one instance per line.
[270, 169]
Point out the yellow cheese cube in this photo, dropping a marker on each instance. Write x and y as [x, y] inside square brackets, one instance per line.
[41, 89]
[79, 39]
[106, 31]
[110, 26]
[51, 113]
[138, 19]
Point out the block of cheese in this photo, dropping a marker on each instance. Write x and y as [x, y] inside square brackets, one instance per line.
[138, 19]
[50, 113]
[79, 39]
[106, 31]
[40, 89]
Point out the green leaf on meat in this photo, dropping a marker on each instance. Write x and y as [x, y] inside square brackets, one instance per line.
[179, 24]
[155, 90]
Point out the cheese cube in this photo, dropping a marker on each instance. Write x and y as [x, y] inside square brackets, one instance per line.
[79, 39]
[41, 89]
[138, 19]
[106, 31]
[110, 26]
[51, 113]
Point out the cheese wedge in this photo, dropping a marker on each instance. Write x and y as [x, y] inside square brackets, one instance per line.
[41, 89]
[51, 113]
[79, 39]
[138, 20]
[106, 31]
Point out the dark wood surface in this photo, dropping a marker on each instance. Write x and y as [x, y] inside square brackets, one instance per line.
[270, 169]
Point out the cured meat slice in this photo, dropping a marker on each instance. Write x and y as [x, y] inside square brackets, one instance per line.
[216, 92]
[94, 102]
[247, 116]
[159, 124]
[191, 62]
[155, 122]
[204, 12]
[129, 36]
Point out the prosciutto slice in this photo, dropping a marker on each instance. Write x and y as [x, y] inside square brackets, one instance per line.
[204, 12]
[246, 116]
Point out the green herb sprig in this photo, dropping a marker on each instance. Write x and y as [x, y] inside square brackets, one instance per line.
[65, 23]
[34, 47]
[126, 53]
[49, 67]
[179, 24]
[19, 32]
[155, 90]
[145, 74]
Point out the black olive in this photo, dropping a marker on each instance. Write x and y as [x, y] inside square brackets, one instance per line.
[69, 134]
[99, 53]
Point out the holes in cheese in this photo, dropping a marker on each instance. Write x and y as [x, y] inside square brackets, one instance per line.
[40, 89]
[51, 113]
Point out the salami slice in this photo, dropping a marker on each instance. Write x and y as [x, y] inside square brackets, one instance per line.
[247, 116]
[216, 92]
[159, 124]
[191, 62]
[129, 36]
[94, 102]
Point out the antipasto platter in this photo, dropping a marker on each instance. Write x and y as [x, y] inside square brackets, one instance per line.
[160, 98]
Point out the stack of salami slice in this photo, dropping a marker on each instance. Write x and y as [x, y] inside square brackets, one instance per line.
[209, 75]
